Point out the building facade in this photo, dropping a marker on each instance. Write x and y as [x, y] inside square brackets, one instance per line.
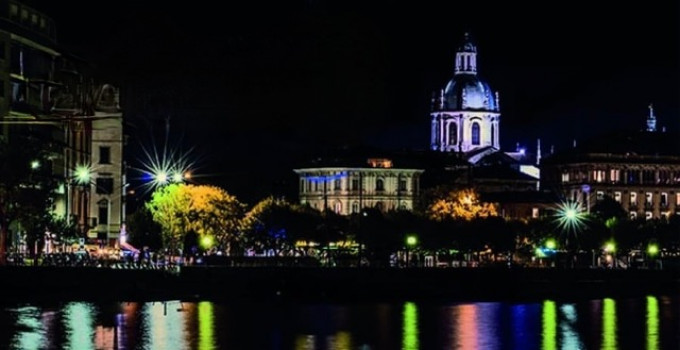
[348, 190]
[639, 170]
[42, 87]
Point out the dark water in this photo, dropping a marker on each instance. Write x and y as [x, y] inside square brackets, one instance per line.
[644, 323]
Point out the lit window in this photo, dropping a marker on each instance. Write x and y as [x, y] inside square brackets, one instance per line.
[453, 134]
[633, 215]
[355, 184]
[648, 198]
[565, 177]
[617, 197]
[337, 185]
[648, 215]
[534, 213]
[664, 198]
[598, 175]
[475, 134]
[599, 195]
[677, 199]
[614, 175]
[338, 208]
[633, 198]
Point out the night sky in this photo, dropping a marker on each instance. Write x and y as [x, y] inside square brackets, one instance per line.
[257, 86]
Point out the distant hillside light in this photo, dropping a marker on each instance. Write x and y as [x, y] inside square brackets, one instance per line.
[177, 177]
[411, 241]
[35, 164]
[162, 177]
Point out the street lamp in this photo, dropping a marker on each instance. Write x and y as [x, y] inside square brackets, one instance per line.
[411, 242]
[610, 249]
[652, 250]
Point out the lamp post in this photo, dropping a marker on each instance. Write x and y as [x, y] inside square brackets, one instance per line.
[652, 251]
[411, 241]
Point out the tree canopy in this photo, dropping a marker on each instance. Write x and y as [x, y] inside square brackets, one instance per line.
[461, 204]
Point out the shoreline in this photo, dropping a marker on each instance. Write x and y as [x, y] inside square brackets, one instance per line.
[28, 284]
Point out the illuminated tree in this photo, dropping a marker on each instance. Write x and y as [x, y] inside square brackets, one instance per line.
[206, 210]
[462, 204]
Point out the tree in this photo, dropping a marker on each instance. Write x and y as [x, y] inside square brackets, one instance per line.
[26, 185]
[462, 204]
[207, 210]
[143, 231]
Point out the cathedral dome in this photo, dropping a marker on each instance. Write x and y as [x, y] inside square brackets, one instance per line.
[469, 92]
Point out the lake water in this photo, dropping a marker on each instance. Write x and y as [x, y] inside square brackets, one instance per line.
[651, 322]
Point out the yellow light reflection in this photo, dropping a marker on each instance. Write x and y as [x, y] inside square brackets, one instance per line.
[549, 322]
[410, 327]
[304, 342]
[79, 326]
[206, 321]
[340, 341]
[31, 335]
[652, 323]
[609, 340]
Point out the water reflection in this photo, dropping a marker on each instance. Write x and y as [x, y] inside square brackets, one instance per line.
[652, 323]
[410, 330]
[609, 340]
[205, 325]
[549, 329]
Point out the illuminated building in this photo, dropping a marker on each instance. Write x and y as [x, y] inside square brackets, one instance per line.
[639, 170]
[54, 95]
[349, 188]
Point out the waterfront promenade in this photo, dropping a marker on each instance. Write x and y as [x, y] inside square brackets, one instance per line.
[328, 284]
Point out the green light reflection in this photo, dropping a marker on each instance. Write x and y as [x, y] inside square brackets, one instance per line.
[206, 322]
[652, 323]
[304, 342]
[410, 328]
[31, 336]
[549, 322]
[78, 318]
[609, 340]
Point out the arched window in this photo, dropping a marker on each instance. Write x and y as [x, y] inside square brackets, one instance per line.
[453, 134]
[379, 185]
[355, 207]
[493, 138]
[475, 134]
[338, 208]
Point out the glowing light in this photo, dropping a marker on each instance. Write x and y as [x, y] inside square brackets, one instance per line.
[207, 242]
[610, 247]
[652, 323]
[35, 164]
[164, 325]
[411, 241]
[550, 244]
[570, 217]
[161, 177]
[83, 174]
[609, 340]
[177, 177]
[206, 321]
[570, 338]
[326, 178]
[652, 249]
[549, 323]
[410, 327]
[467, 335]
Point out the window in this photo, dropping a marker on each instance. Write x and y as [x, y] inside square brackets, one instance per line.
[648, 198]
[677, 199]
[598, 175]
[633, 198]
[475, 134]
[648, 215]
[402, 184]
[104, 185]
[355, 184]
[42, 23]
[403, 206]
[103, 212]
[24, 15]
[648, 176]
[34, 19]
[336, 185]
[355, 207]
[379, 185]
[534, 213]
[302, 185]
[104, 155]
[614, 175]
[493, 129]
[633, 215]
[664, 199]
[338, 208]
[453, 134]
[309, 186]
[599, 195]
[316, 186]
[565, 177]
[13, 10]
[617, 197]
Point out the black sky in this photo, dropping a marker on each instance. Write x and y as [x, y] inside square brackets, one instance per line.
[255, 85]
